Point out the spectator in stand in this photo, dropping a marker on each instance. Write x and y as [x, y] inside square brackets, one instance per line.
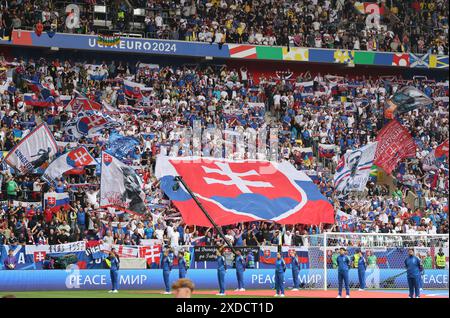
[11, 261]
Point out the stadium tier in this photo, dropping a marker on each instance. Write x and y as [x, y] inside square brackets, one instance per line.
[271, 145]
[393, 26]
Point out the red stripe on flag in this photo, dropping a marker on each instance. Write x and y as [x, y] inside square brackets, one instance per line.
[241, 48]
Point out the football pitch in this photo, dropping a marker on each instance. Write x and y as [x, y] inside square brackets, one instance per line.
[229, 294]
[120, 294]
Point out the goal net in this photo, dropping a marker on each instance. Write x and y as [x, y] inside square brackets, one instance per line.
[385, 255]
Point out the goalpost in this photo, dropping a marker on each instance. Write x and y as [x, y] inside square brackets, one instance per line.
[385, 254]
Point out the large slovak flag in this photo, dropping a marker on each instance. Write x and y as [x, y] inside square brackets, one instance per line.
[242, 191]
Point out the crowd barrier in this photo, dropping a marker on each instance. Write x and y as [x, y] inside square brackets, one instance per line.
[74, 279]
[235, 51]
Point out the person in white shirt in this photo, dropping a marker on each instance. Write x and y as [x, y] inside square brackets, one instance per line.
[174, 238]
[108, 238]
[383, 217]
[287, 238]
[230, 237]
[91, 197]
[218, 36]
[159, 233]
[276, 102]
[159, 21]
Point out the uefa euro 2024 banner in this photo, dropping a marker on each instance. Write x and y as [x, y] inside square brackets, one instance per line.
[75, 279]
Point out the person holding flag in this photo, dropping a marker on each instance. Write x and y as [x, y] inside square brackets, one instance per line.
[280, 268]
[343, 262]
[295, 266]
[182, 267]
[113, 263]
[240, 269]
[166, 265]
[221, 270]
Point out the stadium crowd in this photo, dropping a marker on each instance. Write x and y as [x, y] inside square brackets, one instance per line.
[404, 26]
[344, 111]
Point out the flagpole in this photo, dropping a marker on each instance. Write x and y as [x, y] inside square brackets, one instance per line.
[180, 179]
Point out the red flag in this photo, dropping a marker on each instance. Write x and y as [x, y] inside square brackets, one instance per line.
[394, 144]
[442, 150]
[39, 256]
[78, 104]
[151, 253]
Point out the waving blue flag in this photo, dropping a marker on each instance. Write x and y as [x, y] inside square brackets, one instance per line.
[121, 147]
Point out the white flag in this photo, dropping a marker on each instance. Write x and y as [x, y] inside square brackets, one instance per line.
[34, 151]
[120, 186]
[352, 171]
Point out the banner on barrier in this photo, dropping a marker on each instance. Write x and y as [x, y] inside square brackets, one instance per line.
[208, 253]
[73, 279]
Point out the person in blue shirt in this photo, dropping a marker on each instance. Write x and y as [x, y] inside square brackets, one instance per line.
[221, 270]
[81, 219]
[250, 261]
[182, 267]
[280, 268]
[362, 265]
[295, 266]
[240, 269]
[166, 265]
[113, 262]
[343, 262]
[413, 269]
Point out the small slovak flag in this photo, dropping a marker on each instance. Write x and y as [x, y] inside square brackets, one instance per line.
[151, 253]
[39, 256]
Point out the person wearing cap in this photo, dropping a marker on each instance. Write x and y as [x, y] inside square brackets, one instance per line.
[343, 262]
[413, 270]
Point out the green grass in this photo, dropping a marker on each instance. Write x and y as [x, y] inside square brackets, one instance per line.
[105, 294]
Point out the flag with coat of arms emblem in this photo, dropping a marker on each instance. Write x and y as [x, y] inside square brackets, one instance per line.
[242, 191]
[75, 158]
[55, 201]
[151, 253]
[89, 123]
[268, 255]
